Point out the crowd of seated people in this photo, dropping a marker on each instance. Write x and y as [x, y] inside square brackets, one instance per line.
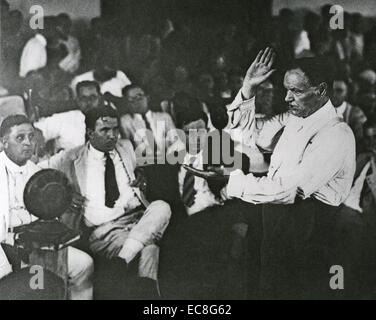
[96, 103]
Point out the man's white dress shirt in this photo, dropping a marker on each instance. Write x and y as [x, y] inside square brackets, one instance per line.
[13, 179]
[301, 44]
[204, 198]
[96, 212]
[72, 61]
[114, 85]
[314, 157]
[66, 128]
[17, 179]
[342, 109]
[133, 128]
[34, 55]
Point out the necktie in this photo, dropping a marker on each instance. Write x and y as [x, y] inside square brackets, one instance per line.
[147, 124]
[111, 187]
[189, 192]
[150, 136]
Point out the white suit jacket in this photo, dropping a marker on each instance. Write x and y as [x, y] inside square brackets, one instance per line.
[5, 267]
[74, 164]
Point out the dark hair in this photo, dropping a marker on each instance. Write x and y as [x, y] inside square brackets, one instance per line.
[286, 13]
[340, 77]
[187, 109]
[85, 84]
[316, 69]
[16, 13]
[4, 4]
[129, 87]
[325, 9]
[12, 121]
[94, 114]
[49, 25]
[235, 72]
[64, 16]
[219, 116]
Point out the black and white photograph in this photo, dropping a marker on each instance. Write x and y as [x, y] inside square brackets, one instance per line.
[187, 154]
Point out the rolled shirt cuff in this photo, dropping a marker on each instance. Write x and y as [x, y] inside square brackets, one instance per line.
[241, 102]
[235, 186]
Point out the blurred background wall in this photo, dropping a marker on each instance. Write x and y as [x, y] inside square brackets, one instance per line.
[365, 7]
[77, 9]
[88, 9]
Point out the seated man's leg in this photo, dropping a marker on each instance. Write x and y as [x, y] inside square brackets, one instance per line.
[80, 270]
[150, 228]
[130, 235]
[148, 264]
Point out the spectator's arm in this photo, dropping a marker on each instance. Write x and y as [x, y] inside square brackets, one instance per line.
[49, 127]
[54, 162]
[123, 78]
[32, 58]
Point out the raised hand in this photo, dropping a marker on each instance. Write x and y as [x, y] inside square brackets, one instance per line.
[258, 72]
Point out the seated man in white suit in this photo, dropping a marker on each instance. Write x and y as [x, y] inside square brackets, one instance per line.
[121, 222]
[16, 169]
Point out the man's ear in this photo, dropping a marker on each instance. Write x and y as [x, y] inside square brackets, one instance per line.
[89, 133]
[4, 141]
[322, 89]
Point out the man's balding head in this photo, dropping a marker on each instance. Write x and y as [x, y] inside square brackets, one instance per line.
[17, 134]
[12, 121]
[307, 82]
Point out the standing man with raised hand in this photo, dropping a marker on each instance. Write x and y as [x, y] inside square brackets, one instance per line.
[310, 175]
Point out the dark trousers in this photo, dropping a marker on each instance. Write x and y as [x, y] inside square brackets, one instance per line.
[297, 250]
[196, 260]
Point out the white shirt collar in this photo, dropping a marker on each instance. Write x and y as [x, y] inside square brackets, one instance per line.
[41, 39]
[13, 167]
[341, 109]
[325, 113]
[147, 115]
[99, 155]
